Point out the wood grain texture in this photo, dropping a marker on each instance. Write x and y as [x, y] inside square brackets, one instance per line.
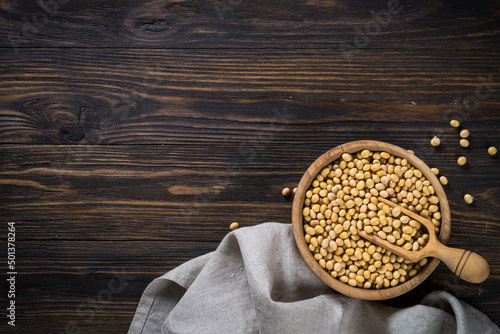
[84, 281]
[351, 25]
[431, 75]
[120, 189]
[132, 133]
[84, 216]
[65, 98]
[59, 96]
[298, 219]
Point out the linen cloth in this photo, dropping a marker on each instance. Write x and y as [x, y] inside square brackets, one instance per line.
[257, 282]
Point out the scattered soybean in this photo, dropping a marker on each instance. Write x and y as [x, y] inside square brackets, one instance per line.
[468, 198]
[435, 141]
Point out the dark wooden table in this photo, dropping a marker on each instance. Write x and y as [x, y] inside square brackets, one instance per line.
[133, 133]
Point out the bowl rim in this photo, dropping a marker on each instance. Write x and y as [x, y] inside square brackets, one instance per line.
[297, 218]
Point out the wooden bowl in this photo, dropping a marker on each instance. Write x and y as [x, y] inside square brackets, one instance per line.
[298, 229]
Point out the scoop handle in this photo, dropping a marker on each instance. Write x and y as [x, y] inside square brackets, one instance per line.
[467, 265]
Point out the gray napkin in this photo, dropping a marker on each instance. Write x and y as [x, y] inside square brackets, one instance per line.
[257, 282]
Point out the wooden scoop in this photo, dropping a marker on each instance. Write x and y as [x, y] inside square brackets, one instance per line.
[465, 264]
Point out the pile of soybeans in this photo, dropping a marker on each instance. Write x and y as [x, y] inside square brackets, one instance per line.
[343, 198]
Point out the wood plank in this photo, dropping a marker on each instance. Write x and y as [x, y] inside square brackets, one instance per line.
[355, 26]
[79, 293]
[251, 124]
[105, 193]
[90, 285]
[89, 258]
[59, 96]
[85, 213]
[132, 133]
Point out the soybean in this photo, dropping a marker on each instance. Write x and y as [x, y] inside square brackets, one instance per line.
[468, 198]
[342, 199]
[435, 141]
[443, 180]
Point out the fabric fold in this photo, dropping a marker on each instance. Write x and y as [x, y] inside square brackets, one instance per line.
[257, 282]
